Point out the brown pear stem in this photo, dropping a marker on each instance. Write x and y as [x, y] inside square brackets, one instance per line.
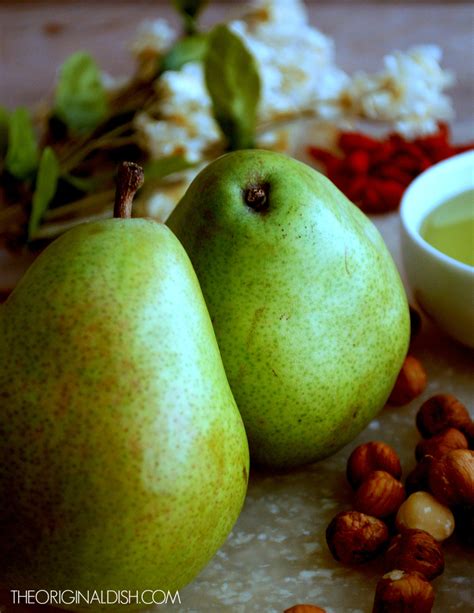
[256, 197]
[129, 179]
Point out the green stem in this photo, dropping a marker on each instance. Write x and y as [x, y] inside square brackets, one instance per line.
[76, 155]
[52, 230]
[80, 206]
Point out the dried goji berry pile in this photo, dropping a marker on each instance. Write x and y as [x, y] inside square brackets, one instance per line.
[374, 173]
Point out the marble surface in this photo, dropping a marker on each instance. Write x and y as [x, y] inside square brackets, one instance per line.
[276, 555]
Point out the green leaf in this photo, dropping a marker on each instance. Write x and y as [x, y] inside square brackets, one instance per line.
[86, 184]
[233, 83]
[46, 183]
[189, 49]
[158, 169]
[80, 101]
[22, 152]
[189, 10]
[4, 121]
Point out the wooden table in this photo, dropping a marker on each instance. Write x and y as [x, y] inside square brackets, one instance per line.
[276, 556]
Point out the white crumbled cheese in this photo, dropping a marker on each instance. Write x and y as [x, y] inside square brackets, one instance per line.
[153, 37]
[408, 92]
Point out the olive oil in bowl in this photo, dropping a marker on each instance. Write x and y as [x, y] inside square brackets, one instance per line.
[449, 227]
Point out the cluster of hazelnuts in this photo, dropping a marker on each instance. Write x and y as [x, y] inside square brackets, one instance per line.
[407, 523]
[421, 512]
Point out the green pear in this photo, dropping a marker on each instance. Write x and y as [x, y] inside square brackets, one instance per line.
[308, 308]
[124, 460]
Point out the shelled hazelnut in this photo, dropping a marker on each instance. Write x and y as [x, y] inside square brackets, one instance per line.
[410, 383]
[374, 455]
[445, 466]
[304, 608]
[415, 551]
[355, 538]
[380, 495]
[399, 591]
[417, 479]
[423, 512]
[444, 411]
[441, 444]
[451, 478]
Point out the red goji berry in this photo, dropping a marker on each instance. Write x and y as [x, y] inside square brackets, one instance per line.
[435, 146]
[356, 188]
[383, 153]
[322, 155]
[354, 141]
[371, 200]
[424, 164]
[396, 140]
[408, 163]
[390, 193]
[391, 171]
[373, 174]
[330, 161]
[357, 162]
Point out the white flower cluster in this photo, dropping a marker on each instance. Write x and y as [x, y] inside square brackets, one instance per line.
[185, 125]
[296, 66]
[295, 61]
[408, 92]
[153, 37]
[299, 76]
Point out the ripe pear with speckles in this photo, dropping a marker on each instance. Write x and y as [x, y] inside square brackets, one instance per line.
[123, 457]
[308, 308]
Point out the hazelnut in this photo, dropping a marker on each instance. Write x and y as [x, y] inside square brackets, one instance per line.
[379, 495]
[371, 456]
[443, 411]
[399, 591]
[440, 444]
[355, 538]
[418, 478]
[451, 478]
[410, 383]
[422, 511]
[304, 608]
[415, 551]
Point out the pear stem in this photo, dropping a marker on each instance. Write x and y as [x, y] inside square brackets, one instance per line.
[256, 197]
[129, 179]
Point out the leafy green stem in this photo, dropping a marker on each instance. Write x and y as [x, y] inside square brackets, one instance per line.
[80, 206]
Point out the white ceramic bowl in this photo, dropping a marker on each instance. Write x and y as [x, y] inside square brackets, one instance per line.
[441, 285]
